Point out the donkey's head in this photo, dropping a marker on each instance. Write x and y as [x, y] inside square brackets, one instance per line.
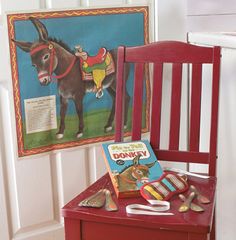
[42, 53]
[141, 171]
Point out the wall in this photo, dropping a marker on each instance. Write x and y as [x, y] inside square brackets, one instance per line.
[220, 16]
[171, 20]
[33, 190]
[212, 16]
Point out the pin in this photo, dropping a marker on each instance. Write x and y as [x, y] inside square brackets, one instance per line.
[194, 207]
[96, 200]
[186, 205]
[110, 204]
[201, 198]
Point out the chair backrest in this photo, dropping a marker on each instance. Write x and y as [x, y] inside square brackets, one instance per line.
[176, 53]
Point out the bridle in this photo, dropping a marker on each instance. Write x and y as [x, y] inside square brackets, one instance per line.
[52, 52]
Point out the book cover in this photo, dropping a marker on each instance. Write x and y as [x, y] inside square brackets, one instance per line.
[130, 165]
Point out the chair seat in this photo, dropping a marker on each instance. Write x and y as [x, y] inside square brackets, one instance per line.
[99, 224]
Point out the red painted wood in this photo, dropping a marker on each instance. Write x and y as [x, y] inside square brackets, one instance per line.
[137, 101]
[119, 95]
[178, 226]
[175, 106]
[195, 107]
[169, 52]
[156, 105]
[72, 229]
[101, 231]
[179, 53]
[214, 111]
[182, 156]
[195, 236]
[213, 230]
[89, 223]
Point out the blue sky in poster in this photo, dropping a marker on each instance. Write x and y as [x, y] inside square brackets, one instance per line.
[91, 32]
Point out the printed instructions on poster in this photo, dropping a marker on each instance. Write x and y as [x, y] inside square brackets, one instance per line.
[40, 114]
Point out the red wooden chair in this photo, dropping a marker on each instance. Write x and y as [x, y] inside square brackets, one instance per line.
[91, 224]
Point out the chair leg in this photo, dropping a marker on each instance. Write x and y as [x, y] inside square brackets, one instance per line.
[72, 229]
[213, 230]
[195, 236]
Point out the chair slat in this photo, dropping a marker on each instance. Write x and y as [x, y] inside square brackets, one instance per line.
[176, 53]
[182, 156]
[195, 108]
[169, 52]
[214, 111]
[175, 106]
[137, 101]
[156, 105]
[120, 86]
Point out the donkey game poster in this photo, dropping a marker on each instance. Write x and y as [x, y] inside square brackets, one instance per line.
[64, 74]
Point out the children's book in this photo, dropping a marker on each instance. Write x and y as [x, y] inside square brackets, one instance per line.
[130, 165]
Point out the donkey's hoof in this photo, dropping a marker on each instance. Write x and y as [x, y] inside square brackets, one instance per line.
[108, 129]
[79, 135]
[99, 94]
[59, 135]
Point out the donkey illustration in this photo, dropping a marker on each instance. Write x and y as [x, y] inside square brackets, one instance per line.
[129, 177]
[50, 56]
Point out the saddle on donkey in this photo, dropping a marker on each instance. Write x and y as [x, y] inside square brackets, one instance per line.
[96, 68]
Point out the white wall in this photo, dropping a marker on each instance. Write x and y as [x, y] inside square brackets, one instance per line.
[33, 190]
[220, 16]
[211, 16]
[171, 20]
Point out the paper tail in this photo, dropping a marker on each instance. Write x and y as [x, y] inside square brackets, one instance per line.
[110, 204]
[97, 200]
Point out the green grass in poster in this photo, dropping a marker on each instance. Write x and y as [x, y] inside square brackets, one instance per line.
[94, 123]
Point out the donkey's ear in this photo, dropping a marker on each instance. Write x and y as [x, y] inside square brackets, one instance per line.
[136, 160]
[42, 30]
[149, 165]
[25, 46]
